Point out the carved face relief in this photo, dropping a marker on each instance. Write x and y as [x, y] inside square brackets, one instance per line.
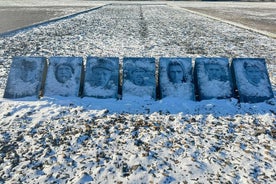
[138, 77]
[175, 73]
[63, 73]
[28, 71]
[253, 75]
[101, 76]
[214, 72]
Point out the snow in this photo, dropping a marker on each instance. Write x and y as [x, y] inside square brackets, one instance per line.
[59, 139]
[221, 86]
[139, 77]
[105, 90]
[71, 86]
[262, 89]
[24, 81]
[185, 90]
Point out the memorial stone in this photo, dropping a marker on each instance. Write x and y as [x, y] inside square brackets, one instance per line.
[213, 78]
[25, 77]
[251, 79]
[63, 77]
[175, 78]
[139, 77]
[101, 77]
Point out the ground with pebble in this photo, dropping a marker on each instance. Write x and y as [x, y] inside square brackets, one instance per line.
[78, 140]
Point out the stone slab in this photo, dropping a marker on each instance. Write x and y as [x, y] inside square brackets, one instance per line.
[139, 77]
[175, 78]
[213, 78]
[101, 77]
[63, 77]
[25, 77]
[251, 79]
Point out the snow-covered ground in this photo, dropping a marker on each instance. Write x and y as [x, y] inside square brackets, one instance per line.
[136, 140]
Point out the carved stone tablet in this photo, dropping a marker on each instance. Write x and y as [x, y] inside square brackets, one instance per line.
[175, 78]
[213, 78]
[101, 77]
[63, 77]
[139, 77]
[25, 77]
[252, 79]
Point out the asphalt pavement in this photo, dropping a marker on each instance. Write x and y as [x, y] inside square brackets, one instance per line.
[12, 18]
[259, 17]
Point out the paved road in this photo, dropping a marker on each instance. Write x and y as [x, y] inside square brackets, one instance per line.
[12, 18]
[265, 21]
[258, 16]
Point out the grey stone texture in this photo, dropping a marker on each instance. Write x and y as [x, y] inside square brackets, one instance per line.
[139, 77]
[25, 77]
[175, 78]
[64, 76]
[213, 78]
[251, 79]
[101, 77]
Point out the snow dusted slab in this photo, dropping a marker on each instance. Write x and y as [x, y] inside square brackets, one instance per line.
[175, 78]
[101, 77]
[25, 77]
[213, 78]
[139, 77]
[63, 77]
[251, 78]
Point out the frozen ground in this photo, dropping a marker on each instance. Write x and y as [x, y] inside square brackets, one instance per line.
[135, 140]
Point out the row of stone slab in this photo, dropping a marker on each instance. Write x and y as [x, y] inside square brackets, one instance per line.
[100, 77]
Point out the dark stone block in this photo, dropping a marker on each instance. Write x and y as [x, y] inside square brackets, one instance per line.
[101, 77]
[139, 77]
[213, 78]
[63, 77]
[175, 78]
[251, 79]
[25, 77]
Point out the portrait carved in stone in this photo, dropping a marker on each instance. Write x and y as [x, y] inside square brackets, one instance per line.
[64, 72]
[175, 78]
[25, 77]
[213, 78]
[139, 77]
[215, 71]
[63, 76]
[101, 77]
[252, 79]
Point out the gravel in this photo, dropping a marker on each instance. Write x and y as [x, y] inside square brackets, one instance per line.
[136, 30]
[61, 140]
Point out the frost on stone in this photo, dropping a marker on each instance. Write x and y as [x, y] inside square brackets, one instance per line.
[25, 77]
[175, 78]
[252, 79]
[139, 77]
[213, 78]
[101, 77]
[63, 77]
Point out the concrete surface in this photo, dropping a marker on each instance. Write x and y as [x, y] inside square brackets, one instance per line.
[12, 18]
[260, 16]
[257, 16]
[260, 19]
